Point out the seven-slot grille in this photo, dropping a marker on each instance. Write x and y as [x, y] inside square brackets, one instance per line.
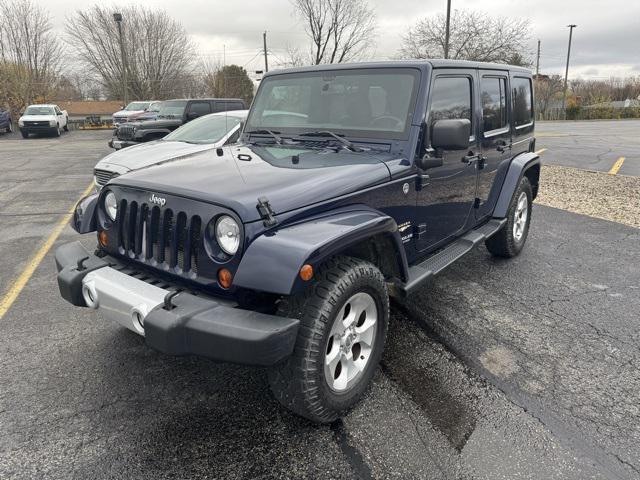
[103, 176]
[125, 132]
[150, 234]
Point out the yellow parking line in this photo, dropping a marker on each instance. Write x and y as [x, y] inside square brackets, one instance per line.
[541, 151]
[26, 274]
[616, 166]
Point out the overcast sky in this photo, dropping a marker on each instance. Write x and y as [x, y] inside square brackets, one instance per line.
[605, 43]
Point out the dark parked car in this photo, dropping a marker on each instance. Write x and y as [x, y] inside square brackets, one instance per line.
[171, 115]
[5, 120]
[350, 184]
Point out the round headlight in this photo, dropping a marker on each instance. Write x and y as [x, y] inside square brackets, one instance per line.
[111, 205]
[228, 234]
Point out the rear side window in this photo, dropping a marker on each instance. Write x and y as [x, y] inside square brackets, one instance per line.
[493, 95]
[522, 101]
[451, 98]
[227, 106]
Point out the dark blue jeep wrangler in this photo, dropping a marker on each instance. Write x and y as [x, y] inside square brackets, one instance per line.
[351, 184]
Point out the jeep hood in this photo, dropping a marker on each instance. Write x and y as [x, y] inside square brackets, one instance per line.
[126, 113]
[242, 174]
[147, 154]
[157, 123]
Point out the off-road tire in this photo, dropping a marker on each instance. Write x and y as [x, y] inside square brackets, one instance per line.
[503, 243]
[299, 383]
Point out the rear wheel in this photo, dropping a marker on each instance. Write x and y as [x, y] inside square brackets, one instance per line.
[510, 239]
[343, 324]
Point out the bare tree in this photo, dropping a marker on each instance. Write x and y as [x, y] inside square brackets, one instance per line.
[159, 53]
[474, 36]
[30, 53]
[339, 30]
[547, 89]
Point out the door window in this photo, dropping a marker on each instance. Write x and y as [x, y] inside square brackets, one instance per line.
[493, 95]
[522, 104]
[451, 98]
[200, 108]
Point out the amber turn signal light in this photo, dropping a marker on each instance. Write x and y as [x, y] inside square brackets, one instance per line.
[306, 272]
[225, 278]
[102, 238]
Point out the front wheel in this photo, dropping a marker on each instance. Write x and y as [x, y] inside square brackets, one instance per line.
[510, 239]
[10, 127]
[57, 131]
[24, 133]
[343, 325]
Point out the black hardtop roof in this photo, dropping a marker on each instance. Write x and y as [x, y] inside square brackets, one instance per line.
[434, 63]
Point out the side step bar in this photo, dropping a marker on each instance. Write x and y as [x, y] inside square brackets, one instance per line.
[438, 262]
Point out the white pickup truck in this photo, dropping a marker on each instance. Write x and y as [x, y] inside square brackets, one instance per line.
[43, 119]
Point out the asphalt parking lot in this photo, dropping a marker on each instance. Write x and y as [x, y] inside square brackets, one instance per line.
[593, 145]
[499, 369]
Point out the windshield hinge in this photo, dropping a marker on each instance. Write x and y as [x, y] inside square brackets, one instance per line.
[266, 212]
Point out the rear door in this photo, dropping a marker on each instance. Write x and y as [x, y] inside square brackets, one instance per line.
[495, 134]
[522, 112]
[445, 202]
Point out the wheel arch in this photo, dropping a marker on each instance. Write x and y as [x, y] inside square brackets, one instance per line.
[358, 231]
[526, 164]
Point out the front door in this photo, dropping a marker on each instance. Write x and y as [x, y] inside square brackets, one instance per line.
[495, 136]
[446, 199]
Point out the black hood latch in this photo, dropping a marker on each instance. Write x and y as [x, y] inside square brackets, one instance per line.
[266, 212]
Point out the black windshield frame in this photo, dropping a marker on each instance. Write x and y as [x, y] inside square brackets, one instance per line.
[272, 80]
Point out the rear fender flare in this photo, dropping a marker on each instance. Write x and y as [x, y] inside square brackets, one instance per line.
[517, 169]
[272, 261]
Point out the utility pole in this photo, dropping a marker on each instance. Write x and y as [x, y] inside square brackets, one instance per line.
[566, 72]
[446, 34]
[538, 60]
[266, 61]
[118, 19]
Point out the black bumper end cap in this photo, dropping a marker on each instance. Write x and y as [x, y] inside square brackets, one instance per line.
[206, 328]
[73, 262]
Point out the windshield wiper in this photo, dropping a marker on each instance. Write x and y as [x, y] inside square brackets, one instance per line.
[327, 133]
[275, 135]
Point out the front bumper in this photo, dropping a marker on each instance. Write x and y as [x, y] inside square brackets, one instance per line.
[173, 323]
[38, 129]
[120, 144]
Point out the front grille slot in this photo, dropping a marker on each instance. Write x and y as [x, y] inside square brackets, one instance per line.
[149, 234]
[125, 132]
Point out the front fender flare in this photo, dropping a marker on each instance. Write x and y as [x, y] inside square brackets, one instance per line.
[519, 165]
[84, 215]
[272, 261]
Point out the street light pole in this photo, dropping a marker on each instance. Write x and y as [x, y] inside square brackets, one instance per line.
[566, 72]
[446, 34]
[118, 19]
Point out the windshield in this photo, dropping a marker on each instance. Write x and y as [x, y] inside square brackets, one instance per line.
[32, 110]
[208, 129]
[136, 106]
[375, 103]
[172, 108]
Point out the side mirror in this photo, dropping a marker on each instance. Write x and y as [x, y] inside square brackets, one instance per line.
[59, 113]
[426, 162]
[451, 134]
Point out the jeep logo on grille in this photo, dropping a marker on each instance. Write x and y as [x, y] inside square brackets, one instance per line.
[157, 200]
